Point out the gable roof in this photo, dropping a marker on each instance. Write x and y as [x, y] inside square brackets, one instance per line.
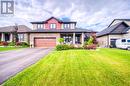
[119, 28]
[21, 28]
[53, 18]
[60, 21]
[122, 20]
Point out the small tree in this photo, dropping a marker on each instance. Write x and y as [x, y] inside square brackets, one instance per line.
[94, 39]
[89, 41]
[61, 40]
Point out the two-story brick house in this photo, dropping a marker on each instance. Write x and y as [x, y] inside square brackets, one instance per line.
[46, 33]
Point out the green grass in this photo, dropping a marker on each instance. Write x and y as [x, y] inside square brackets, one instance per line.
[7, 48]
[104, 67]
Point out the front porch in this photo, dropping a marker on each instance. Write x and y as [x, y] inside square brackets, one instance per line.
[73, 38]
[8, 37]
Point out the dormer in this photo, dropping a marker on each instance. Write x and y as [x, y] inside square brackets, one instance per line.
[53, 23]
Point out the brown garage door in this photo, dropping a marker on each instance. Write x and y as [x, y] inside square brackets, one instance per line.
[45, 42]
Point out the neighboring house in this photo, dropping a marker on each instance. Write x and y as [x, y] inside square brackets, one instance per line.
[118, 29]
[7, 33]
[46, 33]
[127, 21]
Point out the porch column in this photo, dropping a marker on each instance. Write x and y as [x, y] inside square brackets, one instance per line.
[11, 37]
[2, 37]
[73, 38]
[82, 39]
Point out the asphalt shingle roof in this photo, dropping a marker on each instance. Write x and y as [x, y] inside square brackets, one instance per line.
[119, 28]
[62, 30]
[21, 28]
[122, 20]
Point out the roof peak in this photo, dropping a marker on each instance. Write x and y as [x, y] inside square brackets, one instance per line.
[59, 20]
[111, 29]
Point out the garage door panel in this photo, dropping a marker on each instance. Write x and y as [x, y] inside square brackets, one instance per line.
[45, 42]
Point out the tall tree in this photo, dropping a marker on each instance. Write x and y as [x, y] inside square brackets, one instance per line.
[15, 33]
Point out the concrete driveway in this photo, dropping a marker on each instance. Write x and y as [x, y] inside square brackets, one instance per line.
[12, 62]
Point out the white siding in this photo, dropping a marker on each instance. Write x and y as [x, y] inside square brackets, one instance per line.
[114, 37]
[127, 35]
[34, 26]
[103, 41]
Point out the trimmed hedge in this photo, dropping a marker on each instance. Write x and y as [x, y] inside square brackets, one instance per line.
[66, 47]
[62, 47]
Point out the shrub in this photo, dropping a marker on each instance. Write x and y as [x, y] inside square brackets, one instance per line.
[71, 46]
[66, 47]
[18, 43]
[23, 44]
[89, 41]
[3, 43]
[94, 39]
[61, 40]
[0, 43]
[11, 44]
[92, 46]
[62, 47]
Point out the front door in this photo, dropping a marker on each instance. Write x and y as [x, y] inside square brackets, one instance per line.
[7, 36]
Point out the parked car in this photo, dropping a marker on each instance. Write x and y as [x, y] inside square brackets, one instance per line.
[123, 43]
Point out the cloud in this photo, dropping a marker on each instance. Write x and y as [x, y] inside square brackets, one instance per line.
[89, 14]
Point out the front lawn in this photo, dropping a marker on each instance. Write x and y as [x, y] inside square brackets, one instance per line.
[7, 48]
[104, 67]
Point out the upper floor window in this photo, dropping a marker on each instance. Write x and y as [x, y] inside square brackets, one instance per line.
[66, 26]
[39, 26]
[53, 26]
[72, 26]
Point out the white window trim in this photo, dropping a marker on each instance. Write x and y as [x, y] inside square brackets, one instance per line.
[52, 26]
[39, 26]
[21, 37]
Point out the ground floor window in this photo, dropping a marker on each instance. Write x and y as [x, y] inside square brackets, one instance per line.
[77, 39]
[67, 39]
[20, 37]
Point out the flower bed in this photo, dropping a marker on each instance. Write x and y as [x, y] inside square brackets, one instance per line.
[13, 44]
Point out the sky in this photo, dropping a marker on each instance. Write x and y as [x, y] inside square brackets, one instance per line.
[89, 14]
